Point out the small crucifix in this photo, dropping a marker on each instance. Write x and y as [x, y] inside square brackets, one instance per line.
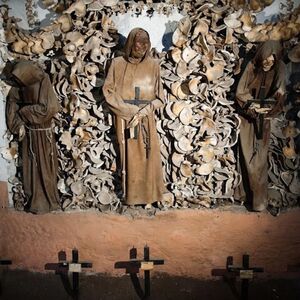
[133, 267]
[261, 105]
[136, 101]
[245, 273]
[63, 267]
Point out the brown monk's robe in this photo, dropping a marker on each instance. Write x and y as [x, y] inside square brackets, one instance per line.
[253, 153]
[33, 104]
[143, 181]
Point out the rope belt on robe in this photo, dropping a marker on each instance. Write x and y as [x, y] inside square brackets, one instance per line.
[144, 124]
[146, 136]
[49, 135]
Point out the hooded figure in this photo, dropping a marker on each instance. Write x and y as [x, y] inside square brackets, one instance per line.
[133, 91]
[30, 107]
[266, 72]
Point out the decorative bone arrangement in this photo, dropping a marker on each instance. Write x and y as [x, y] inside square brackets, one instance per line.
[198, 127]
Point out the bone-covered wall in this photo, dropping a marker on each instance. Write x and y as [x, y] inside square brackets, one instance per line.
[198, 127]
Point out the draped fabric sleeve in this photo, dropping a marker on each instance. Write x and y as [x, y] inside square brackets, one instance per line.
[114, 100]
[13, 119]
[159, 101]
[47, 107]
[279, 90]
[159, 93]
[243, 93]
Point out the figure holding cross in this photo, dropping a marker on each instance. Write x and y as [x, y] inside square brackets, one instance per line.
[260, 95]
[133, 91]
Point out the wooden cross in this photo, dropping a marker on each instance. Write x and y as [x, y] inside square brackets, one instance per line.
[133, 267]
[245, 273]
[262, 102]
[63, 268]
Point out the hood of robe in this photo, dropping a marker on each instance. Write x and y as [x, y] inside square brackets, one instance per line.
[28, 72]
[129, 44]
[265, 50]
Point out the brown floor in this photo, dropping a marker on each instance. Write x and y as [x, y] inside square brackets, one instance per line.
[24, 285]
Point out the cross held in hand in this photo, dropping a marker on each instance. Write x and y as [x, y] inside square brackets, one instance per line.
[137, 100]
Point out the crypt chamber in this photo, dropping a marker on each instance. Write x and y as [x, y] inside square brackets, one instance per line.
[149, 137]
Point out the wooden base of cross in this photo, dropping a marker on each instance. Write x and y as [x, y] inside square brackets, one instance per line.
[133, 267]
[5, 262]
[245, 273]
[63, 268]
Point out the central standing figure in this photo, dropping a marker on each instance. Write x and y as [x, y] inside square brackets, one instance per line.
[133, 91]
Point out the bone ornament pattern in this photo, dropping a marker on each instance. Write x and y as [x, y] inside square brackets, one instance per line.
[198, 126]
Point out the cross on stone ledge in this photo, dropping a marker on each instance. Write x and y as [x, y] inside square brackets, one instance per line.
[5, 262]
[64, 267]
[133, 267]
[245, 273]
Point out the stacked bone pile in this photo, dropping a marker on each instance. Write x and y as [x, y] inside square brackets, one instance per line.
[198, 126]
[10, 154]
[287, 28]
[31, 13]
[79, 44]
[284, 165]
[284, 158]
[86, 151]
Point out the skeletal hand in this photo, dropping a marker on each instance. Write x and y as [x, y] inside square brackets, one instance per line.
[146, 110]
[262, 110]
[134, 121]
[21, 133]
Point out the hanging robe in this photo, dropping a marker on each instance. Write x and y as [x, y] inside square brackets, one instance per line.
[33, 104]
[142, 175]
[253, 152]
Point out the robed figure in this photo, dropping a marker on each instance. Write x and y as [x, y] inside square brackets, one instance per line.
[263, 80]
[133, 91]
[31, 105]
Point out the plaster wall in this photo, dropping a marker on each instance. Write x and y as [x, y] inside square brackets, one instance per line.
[192, 242]
[160, 27]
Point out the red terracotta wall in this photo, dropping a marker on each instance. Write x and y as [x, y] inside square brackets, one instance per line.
[192, 242]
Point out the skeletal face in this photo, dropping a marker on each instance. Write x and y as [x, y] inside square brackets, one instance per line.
[268, 63]
[140, 45]
[70, 52]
